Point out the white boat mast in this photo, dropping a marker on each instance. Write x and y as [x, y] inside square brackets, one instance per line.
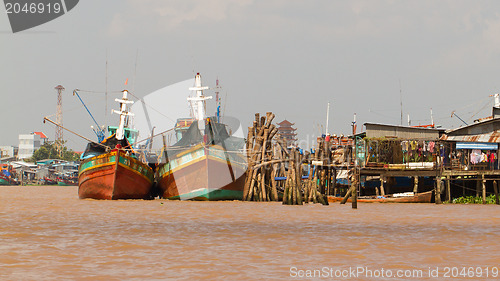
[497, 99]
[120, 132]
[327, 117]
[198, 102]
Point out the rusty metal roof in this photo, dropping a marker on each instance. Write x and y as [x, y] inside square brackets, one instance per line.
[487, 137]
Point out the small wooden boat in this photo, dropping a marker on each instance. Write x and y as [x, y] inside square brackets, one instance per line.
[111, 169]
[4, 180]
[49, 181]
[424, 197]
[66, 181]
[6, 177]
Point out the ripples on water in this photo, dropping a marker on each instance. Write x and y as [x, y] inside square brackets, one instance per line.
[47, 233]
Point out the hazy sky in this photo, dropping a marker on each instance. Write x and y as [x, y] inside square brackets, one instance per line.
[289, 57]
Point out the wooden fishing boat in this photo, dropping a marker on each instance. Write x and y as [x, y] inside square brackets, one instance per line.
[203, 173]
[114, 175]
[6, 177]
[4, 180]
[66, 181]
[203, 167]
[424, 197]
[111, 169]
[49, 181]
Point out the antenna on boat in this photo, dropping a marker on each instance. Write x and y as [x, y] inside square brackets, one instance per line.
[354, 126]
[124, 101]
[198, 102]
[106, 92]
[497, 100]
[135, 69]
[225, 102]
[217, 99]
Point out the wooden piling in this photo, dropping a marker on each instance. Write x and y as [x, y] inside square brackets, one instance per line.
[328, 181]
[335, 189]
[354, 194]
[347, 195]
[448, 189]
[484, 189]
[415, 184]
[478, 187]
[382, 191]
[495, 189]
[437, 190]
[274, 189]
[322, 181]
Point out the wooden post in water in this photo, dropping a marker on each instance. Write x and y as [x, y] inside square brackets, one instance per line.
[382, 191]
[298, 170]
[495, 189]
[484, 189]
[478, 188]
[334, 182]
[350, 191]
[463, 190]
[274, 189]
[322, 181]
[415, 184]
[437, 190]
[355, 182]
[347, 195]
[448, 189]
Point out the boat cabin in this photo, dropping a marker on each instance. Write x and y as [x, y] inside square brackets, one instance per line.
[130, 134]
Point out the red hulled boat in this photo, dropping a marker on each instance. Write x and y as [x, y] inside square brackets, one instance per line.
[111, 169]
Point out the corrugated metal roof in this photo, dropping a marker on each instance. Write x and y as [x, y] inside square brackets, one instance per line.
[487, 137]
[400, 132]
[480, 123]
[404, 127]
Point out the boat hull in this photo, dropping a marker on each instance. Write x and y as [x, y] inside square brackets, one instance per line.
[206, 175]
[114, 175]
[424, 197]
[4, 181]
[66, 182]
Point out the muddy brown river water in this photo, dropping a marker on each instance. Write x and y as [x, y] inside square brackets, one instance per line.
[47, 233]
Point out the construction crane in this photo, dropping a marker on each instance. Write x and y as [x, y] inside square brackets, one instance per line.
[453, 113]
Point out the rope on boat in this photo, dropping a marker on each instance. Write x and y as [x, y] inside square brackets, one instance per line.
[157, 111]
[97, 92]
[89, 140]
[152, 136]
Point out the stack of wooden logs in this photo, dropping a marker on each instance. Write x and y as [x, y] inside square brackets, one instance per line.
[320, 178]
[293, 185]
[260, 184]
[269, 158]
